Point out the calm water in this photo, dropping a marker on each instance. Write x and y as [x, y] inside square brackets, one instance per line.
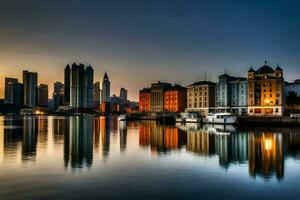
[80, 157]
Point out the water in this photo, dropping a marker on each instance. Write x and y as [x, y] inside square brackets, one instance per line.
[86, 157]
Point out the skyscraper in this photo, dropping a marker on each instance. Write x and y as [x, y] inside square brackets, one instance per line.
[123, 94]
[97, 94]
[81, 86]
[88, 87]
[7, 91]
[58, 95]
[105, 88]
[67, 85]
[15, 93]
[30, 80]
[42, 95]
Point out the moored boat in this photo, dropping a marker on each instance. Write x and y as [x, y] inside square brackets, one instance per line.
[220, 118]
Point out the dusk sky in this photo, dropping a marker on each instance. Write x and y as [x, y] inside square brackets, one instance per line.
[138, 42]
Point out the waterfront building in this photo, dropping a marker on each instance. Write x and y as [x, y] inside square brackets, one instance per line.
[15, 93]
[7, 90]
[42, 95]
[201, 97]
[265, 91]
[292, 87]
[231, 94]
[105, 88]
[157, 96]
[144, 100]
[88, 88]
[58, 95]
[81, 86]
[30, 80]
[123, 94]
[67, 85]
[97, 94]
[175, 99]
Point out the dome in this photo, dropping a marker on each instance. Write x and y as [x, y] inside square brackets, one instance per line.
[265, 70]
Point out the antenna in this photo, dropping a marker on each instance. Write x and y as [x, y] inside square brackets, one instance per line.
[205, 76]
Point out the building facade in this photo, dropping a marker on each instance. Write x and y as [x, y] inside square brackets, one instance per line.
[15, 93]
[105, 89]
[201, 97]
[157, 96]
[231, 94]
[123, 94]
[144, 100]
[7, 90]
[30, 81]
[265, 91]
[81, 86]
[67, 85]
[97, 94]
[42, 95]
[58, 95]
[175, 99]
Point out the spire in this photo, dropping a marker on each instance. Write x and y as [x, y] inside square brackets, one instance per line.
[266, 62]
[105, 76]
[251, 69]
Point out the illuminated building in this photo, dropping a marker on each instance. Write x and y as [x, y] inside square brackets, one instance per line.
[42, 95]
[30, 81]
[201, 97]
[265, 91]
[144, 100]
[7, 90]
[105, 89]
[157, 96]
[231, 94]
[175, 99]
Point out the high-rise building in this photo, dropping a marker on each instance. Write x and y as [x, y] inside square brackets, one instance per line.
[265, 91]
[157, 96]
[144, 100]
[67, 85]
[58, 95]
[7, 91]
[231, 94]
[42, 95]
[201, 97]
[88, 87]
[123, 94]
[105, 89]
[175, 99]
[15, 93]
[30, 80]
[81, 87]
[97, 94]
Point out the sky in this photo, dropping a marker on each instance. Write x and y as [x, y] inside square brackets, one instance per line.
[142, 41]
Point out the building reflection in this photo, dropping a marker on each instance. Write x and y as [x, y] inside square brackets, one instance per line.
[79, 142]
[30, 130]
[266, 155]
[161, 138]
[123, 135]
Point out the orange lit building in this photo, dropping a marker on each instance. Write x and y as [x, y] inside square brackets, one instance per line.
[175, 99]
[144, 100]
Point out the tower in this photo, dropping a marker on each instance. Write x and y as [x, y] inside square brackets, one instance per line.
[105, 88]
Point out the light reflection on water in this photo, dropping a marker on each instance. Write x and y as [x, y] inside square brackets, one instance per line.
[148, 158]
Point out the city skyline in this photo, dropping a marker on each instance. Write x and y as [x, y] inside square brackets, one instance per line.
[171, 41]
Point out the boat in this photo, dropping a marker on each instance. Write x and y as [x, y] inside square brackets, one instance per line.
[122, 117]
[220, 118]
[220, 129]
[186, 117]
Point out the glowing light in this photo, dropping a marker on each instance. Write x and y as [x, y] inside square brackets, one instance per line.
[268, 144]
[267, 101]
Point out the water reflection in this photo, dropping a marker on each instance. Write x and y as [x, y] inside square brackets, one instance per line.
[80, 141]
